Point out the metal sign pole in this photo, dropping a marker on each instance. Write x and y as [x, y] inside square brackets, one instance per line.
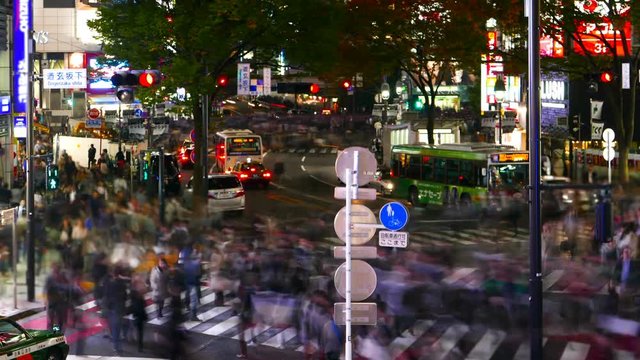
[609, 170]
[347, 224]
[14, 245]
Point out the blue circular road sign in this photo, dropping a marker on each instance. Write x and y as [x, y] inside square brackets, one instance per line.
[394, 216]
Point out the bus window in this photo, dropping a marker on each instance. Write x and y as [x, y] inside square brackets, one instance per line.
[427, 168]
[440, 171]
[466, 176]
[453, 171]
[413, 170]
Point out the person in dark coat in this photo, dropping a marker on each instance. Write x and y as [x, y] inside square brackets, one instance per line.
[115, 298]
[137, 310]
[92, 155]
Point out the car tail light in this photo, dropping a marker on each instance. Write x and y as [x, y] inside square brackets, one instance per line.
[239, 193]
[253, 169]
[179, 176]
[184, 157]
[266, 174]
[243, 176]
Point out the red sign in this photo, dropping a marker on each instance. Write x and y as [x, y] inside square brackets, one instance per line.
[598, 39]
[551, 46]
[94, 113]
[492, 40]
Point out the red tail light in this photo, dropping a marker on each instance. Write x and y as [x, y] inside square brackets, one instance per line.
[253, 169]
[179, 176]
[243, 176]
[239, 193]
[391, 173]
[266, 174]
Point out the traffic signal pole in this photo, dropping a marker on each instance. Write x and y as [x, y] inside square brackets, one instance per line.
[532, 8]
[30, 183]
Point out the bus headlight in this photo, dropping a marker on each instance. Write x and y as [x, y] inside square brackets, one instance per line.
[389, 186]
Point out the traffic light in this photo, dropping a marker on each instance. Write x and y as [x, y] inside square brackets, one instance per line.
[125, 95]
[146, 78]
[416, 103]
[222, 80]
[314, 88]
[297, 88]
[53, 181]
[606, 76]
[145, 169]
[575, 126]
[346, 84]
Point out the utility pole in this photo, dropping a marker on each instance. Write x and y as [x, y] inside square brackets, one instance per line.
[161, 182]
[532, 9]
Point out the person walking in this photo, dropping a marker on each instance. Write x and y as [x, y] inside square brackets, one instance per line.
[115, 303]
[137, 309]
[92, 155]
[158, 284]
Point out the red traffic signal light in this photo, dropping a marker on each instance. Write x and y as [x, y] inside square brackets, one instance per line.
[346, 84]
[314, 88]
[149, 78]
[606, 77]
[223, 80]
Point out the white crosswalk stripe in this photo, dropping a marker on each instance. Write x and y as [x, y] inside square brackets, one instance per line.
[443, 338]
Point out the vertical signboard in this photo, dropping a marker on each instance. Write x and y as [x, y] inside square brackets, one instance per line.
[22, 23]
[266, 81]
[244, 79]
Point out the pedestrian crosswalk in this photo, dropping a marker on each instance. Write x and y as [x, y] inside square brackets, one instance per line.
[441, 337]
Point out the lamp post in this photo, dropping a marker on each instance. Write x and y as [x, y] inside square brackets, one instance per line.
[385, 93]
[499, 91]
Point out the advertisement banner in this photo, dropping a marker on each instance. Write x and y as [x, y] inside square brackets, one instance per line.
[64, 78]
[266, 85]
[244, 79]
[5, 105]
[20, 127]
[22, 25]
[596, 109]
[596, 130]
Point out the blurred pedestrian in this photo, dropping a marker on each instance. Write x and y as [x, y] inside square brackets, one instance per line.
[158, 283]
[115, 304]
[137, 309]
[192, 271]
[92, 155]
[55, 298]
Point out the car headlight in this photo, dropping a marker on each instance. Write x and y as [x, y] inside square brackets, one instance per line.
[389, 186]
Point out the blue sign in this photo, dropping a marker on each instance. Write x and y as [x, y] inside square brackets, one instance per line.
[138, 112]
[20, 127]
[394, 216]
[22, 25]
[5, 105]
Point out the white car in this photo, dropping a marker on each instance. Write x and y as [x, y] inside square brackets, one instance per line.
[225, 193]
[382, 182]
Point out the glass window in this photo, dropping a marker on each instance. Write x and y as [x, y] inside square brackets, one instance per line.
[440, 171]
[466, 175]
[427, 168]
[453, 169]
[10, 334]
[413, 170]
[249, 145]
[224, 182]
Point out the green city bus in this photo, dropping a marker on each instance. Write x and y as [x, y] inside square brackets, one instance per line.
[457, 173]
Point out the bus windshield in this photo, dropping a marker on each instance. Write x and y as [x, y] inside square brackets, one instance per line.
[511, 178]
[245, 145]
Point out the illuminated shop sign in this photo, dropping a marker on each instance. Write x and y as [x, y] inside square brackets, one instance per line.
[22, 23]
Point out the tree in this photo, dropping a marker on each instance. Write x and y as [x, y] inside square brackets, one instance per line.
[595, 36]
[429, 40]
[194, 41]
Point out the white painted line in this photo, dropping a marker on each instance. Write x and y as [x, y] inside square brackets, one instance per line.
[457, 275]
[222, 327]
[251, 332]
[401, 343]
[302, 160]
[524, 351]
[487, 345]
[448, 341]
[207, 315]
[87, 306]
[551, 279]
[281, 338]
[575, 351]
[303, 169]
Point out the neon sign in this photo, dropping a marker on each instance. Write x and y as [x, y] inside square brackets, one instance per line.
[23, 23]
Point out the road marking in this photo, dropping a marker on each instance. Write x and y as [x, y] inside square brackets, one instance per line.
[303, 169]
[281, 338]
[487, 345]
[400, 344]
[551, 279]
[575, 351]
[224, 326]
[448, 341]
[302, 160]
[457, 275]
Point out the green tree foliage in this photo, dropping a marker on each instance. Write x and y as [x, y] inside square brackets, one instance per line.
[427, 39]
[593, 38]
[194, 41]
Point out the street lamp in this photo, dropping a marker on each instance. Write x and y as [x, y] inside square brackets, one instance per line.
[499, 91]
[399, 88]
[385, 93]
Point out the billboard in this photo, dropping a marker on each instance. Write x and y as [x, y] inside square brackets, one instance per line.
[22, 25]
[100, 72]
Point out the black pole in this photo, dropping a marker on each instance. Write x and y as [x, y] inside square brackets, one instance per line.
[30, 184]
[535, 241]
[204, 147]
[161, 182]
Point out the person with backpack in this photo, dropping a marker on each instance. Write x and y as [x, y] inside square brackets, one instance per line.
[158, 279]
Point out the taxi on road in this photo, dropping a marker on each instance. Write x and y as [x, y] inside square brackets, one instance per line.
[19, 343]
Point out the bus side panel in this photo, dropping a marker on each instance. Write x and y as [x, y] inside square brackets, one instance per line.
[430, 193]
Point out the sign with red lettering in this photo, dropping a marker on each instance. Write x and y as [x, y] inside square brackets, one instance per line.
[601, 38]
